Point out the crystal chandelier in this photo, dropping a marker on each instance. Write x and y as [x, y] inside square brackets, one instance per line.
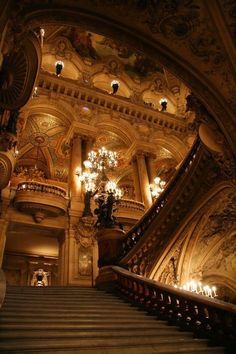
[88, 179]
[97, 184]
[102, 160]
[111, 188]
[157, 188]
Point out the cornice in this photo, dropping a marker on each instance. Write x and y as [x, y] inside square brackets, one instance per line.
[96, 99]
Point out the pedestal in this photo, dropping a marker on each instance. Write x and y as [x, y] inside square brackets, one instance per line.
[109, 245]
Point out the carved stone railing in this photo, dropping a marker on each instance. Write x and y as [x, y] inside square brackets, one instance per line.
[40, 199]
[130, 209]
[145, 241]
[205, 317]
[138, 230]
[95, 98]
[41, 187]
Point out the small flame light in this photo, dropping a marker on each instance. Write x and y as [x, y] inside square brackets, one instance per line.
[198, 288]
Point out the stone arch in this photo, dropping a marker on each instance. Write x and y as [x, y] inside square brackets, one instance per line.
[73, 64]
[41, 105]
[173, 144]
[103, 82]
[124, 130]
[61, 117]
[190, 234]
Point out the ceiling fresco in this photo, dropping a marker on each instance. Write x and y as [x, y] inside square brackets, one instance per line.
[96, 47]
[42, 141]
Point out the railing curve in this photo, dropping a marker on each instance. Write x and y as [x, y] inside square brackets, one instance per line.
[205, 317]
[137, 232]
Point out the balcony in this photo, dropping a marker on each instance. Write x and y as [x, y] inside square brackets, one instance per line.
[130, 210]
[40, 200]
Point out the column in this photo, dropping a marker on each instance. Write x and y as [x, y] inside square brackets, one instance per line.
[144, 180]
[138, 196]
[61, 259]
[74, 183]
[64, 253]
[88, 146]
[150, 159]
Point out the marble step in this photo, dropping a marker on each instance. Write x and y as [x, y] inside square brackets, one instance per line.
[72, 310]
[100, 342]
[79, 326]
[149, 349]
[68, 320]
[93, 333]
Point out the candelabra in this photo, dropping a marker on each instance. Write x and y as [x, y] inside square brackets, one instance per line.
[96, 183]
[199, 288]
[106, 200]
[157, 188]
[88, 179]
[101, 160]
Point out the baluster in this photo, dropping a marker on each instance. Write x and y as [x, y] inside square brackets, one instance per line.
[202, 326]
[186, 315]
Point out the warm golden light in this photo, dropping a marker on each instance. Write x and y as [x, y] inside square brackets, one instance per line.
[198, 288]
[157, 188]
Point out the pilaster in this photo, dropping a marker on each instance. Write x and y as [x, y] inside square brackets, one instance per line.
[74, 183]
[144, 180]
[137, 189]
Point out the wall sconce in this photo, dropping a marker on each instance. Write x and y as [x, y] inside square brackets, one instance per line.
[163, 103]
[115, 86]
[42, 34]
[59, 65]
[35, 92]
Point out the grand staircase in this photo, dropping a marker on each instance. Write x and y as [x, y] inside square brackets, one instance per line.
[86, 321]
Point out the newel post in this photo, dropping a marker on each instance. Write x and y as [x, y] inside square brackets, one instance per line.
[109, 252]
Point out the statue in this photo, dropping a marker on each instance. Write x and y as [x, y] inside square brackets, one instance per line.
[40, 278]
[104, 212]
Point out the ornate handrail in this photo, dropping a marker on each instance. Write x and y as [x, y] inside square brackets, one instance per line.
[32, 186]
[137, 232]
[206, 317]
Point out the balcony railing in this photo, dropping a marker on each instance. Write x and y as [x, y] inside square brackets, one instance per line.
[100, 100]
[130, 209]
[40, 199]
[41, 187]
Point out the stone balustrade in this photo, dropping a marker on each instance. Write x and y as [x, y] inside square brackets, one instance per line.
[205, 317]
[40, 200]
[139, 229]
[95, 98]
[130, 209]
[144, 242]
[41, 187]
